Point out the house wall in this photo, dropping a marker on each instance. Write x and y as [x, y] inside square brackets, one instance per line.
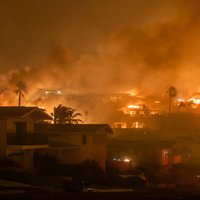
[74, 139]
[22, 153]
[2, 138]
[30, 124]
[27, 161]
[91, 150]
[75, 156]
[11, 127]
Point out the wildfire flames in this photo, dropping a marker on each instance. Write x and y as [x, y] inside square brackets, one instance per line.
[143, 60]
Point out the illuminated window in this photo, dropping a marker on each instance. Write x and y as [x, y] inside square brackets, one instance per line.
[165, 152]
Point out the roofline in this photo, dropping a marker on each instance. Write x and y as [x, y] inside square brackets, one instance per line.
[34, 109]
[103, 127]
[28, 113]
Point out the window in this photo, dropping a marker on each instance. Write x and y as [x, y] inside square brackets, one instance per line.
[21, 132]
[84, 139]
[99, 139]
[21, 128]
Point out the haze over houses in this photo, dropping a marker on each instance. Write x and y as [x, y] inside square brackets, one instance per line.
[162, 143]
[98, 96]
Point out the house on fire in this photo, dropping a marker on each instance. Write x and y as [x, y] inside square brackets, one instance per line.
[141, 147]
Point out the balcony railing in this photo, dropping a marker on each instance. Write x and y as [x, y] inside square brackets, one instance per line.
[27, 139]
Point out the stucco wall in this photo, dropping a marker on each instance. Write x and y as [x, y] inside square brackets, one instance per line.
[80, 152]
[11, 127]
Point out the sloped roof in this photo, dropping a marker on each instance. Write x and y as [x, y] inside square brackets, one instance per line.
[75, 128]
[63, 145]
[22, 111]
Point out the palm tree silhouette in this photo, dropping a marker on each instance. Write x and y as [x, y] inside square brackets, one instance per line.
[172, 93]
[21, 88]
[66, 115]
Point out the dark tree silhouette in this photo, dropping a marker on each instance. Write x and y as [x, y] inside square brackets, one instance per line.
[66, 115]
[21, 89]
[172, 93]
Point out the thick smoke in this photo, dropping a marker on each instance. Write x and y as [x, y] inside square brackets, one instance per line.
[148, 58]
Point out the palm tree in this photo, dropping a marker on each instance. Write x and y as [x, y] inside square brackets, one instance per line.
[172, 93]
[73, 116]
[66, 115]
[21, 88]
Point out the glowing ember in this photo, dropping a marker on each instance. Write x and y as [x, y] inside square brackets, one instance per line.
[195, 101]
[132, 92]
[42, 107]
[59, 92]
[127, 160]
[56, 92]
[181, 100]
[134, 106]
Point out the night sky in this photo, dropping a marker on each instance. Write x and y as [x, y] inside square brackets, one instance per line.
[99, 46]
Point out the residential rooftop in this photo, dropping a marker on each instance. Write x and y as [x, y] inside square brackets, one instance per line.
[22, 111]
[58, 128]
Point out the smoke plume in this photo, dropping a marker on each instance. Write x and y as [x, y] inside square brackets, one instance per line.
[147, 55]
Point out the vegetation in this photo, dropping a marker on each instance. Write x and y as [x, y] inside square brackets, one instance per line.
[45, 165]
[90, 172]
[66, 115]
[21, 89]
[7, 162]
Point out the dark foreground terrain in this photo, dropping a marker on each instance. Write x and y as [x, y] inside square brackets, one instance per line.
[20, 186]
[135, 194]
